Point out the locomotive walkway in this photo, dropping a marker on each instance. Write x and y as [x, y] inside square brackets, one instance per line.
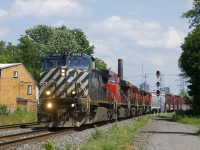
[165, 134]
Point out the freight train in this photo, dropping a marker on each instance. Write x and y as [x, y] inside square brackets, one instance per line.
[74, 92]
[166, 102]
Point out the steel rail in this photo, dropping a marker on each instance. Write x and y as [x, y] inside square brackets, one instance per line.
[13, 143]
[18, 125]
[2, 138]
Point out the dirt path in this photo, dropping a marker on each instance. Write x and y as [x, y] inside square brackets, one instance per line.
[164, 134]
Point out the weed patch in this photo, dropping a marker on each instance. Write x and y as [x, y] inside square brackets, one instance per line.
[19, 116]
[187, 119]
[3, 109]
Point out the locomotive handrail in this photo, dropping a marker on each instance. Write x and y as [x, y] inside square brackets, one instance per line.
[112, 95]
[124, 96]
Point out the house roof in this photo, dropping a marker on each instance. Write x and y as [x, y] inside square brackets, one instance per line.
[2, 66]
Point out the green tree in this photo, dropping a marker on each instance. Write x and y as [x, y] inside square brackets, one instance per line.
[189, 63]
[42, 39]
[8, 52]
[29, 55]
[82, 42]
[100, 64]
[194, 14]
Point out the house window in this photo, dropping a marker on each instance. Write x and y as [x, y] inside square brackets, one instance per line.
[15, 74]
[29, 89]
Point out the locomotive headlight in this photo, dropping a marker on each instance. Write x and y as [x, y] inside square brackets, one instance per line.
[63, 72]
[73, 92]
[48, 92]
[49, 105]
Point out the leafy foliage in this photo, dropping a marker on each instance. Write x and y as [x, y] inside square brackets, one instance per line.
[100, 64]
[3, 109]
[49, 145]
[189, 63]
[193, 14]
[8, 52]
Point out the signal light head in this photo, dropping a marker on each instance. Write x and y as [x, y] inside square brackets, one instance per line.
[158, 73]
[157, 84]
[158, 92]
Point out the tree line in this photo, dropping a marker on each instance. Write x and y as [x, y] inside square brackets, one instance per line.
[42, 39]
[189, 61]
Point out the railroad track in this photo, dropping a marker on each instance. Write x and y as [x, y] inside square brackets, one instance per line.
[21, 138]
[23, 125]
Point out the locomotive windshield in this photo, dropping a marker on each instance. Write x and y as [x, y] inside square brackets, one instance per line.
[112, 79]
[53, 60]
[54, 63]
[79, 60]
[78, 63]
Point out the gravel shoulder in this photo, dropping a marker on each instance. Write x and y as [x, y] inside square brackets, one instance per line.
[163, 133]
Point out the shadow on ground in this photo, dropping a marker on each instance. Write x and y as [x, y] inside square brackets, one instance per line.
[167, 132]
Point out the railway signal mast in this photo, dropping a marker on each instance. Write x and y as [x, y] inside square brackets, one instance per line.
[158, 87]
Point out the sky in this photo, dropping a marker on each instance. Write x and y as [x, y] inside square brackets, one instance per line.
[146, 34]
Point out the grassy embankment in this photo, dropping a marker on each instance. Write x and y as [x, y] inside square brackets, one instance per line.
[17, 117]
[115, 138]
[187, 118]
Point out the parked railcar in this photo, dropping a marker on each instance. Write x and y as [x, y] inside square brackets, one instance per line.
[177, 102]
[169, 102]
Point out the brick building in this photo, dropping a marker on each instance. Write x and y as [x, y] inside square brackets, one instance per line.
[17, 87]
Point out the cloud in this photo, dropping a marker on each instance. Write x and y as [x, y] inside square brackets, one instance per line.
[171, 38]
[45, 8]
[131, 39]
[3, 13]
[3, 32]
[145, 34]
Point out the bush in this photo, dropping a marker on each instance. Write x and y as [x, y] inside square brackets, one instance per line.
[21, 112]
[48, 145]
[3, 109]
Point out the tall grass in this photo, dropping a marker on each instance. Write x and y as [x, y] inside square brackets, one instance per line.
[116, 137]
[187, 118]
[3, 109]
[19, 116]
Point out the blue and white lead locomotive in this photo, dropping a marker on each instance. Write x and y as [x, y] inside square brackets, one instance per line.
[72, 91]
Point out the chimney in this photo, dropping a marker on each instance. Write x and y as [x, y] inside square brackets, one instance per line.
[120, 69]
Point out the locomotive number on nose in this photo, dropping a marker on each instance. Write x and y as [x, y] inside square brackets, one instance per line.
[76, 54]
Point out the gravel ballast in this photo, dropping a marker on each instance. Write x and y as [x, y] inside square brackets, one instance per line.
[77, 138]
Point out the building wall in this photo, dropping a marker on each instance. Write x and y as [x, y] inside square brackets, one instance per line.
[11, 88]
